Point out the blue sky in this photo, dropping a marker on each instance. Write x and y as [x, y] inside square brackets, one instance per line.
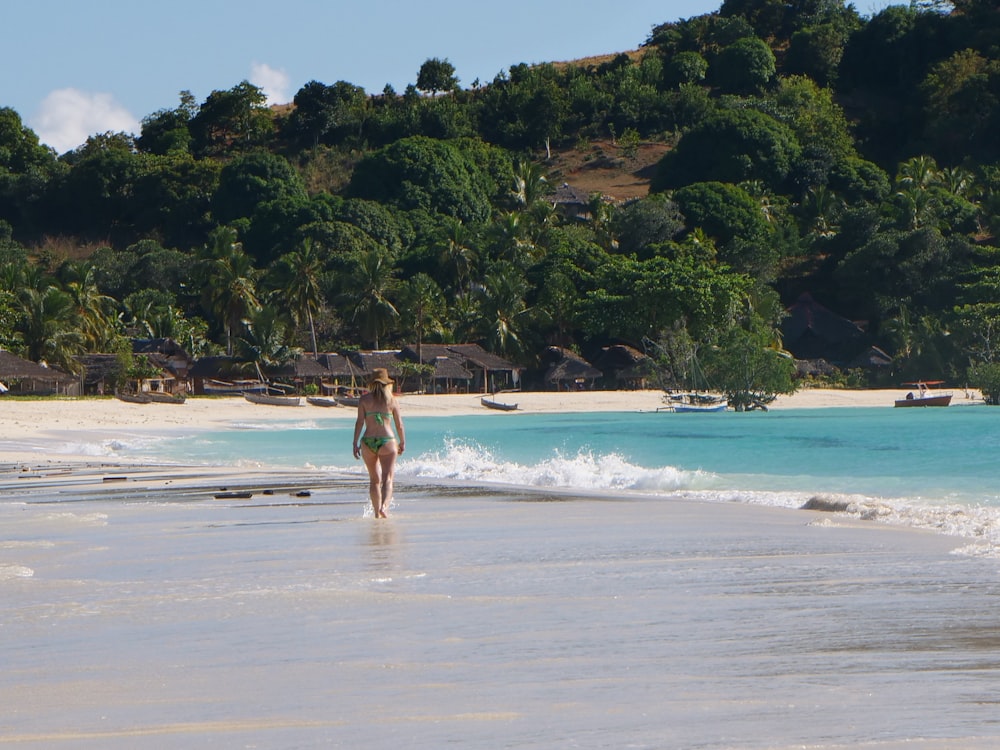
[73, 68]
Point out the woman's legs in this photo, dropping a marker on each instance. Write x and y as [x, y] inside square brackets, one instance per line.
[374, 479]
[387, 464]
[381, 467]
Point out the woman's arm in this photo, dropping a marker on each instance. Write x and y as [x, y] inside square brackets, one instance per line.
[359, 423]
[397, 417]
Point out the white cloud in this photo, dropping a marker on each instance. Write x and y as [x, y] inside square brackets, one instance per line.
[273, 82]
[67, 117]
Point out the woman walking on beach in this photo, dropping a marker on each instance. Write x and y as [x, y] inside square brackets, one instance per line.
[380, 445]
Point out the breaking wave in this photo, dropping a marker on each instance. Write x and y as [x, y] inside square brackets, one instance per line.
[467, 462]
[464, 461]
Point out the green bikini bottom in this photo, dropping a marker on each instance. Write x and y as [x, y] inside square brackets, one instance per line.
[374, 444]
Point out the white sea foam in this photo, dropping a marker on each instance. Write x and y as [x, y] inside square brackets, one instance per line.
[105, 448]
[981, 523]
[978, 522]
[305, 424]
[26, 543]
[94, 519]
[469, 462]
[9, 572]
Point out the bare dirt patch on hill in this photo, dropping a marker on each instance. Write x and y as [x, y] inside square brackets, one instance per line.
[601, 167]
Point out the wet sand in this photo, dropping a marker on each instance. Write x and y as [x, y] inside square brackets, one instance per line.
[140, 609]
[484, 620]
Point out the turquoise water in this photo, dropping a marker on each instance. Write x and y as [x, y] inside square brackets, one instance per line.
[936, 454]
[932, 468]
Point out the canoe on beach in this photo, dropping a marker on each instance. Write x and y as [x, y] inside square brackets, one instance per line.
[498, 405]
[269, 400]
[165, 398]
[134, 398]
[320, 401]
[236, 388]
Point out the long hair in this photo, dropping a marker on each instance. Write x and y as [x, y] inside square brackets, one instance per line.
[382, 392]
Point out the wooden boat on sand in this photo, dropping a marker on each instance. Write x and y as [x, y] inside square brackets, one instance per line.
[236, 388]
[134, 398]
[349, 396]
[320, 401]
[924, 395]
[269, 400]
[165, 398]
[498, 405]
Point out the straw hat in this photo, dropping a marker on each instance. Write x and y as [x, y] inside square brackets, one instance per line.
[380, 375]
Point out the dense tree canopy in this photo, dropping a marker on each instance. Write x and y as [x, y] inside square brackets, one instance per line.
[731, 146]
[422, 173]
[804, 147]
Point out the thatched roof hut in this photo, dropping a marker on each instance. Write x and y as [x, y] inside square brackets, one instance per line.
[337, 365]
[300, 371]
[870, 359]
[165, 353]
[811, 331]
[814, 368]
[624, 365]
[365, 362]
[571, 202]
[490, 372]
[103, 372]
[450, 376]
[20, 375]
[568, 370]
[100, 372]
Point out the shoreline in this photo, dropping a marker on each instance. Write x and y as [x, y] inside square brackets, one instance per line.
[144, 604]
[255, 620]
[34, 429]
[32, 426]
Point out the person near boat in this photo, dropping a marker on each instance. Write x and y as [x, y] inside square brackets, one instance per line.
[378, 412]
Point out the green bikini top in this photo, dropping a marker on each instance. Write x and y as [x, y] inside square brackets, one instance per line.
[380, 416]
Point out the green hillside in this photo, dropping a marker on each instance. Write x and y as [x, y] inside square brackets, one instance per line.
[677, 198]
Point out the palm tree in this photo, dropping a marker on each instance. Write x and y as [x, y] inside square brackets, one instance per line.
[458, 253]
[298, 277]
[900, 331]
[919, 172]
[601, 220]
[463, 319]
[95, 312]
[48, 326]
[959, 181]
[150, 312]
[530, 184]
[502, 309]
[919, 342]
[509, 239]
[370, 285]
[916, 207]
[265, 341]
[822, 208]
[758, 190]
[229, 282]
[542, 215]
[422, 306]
